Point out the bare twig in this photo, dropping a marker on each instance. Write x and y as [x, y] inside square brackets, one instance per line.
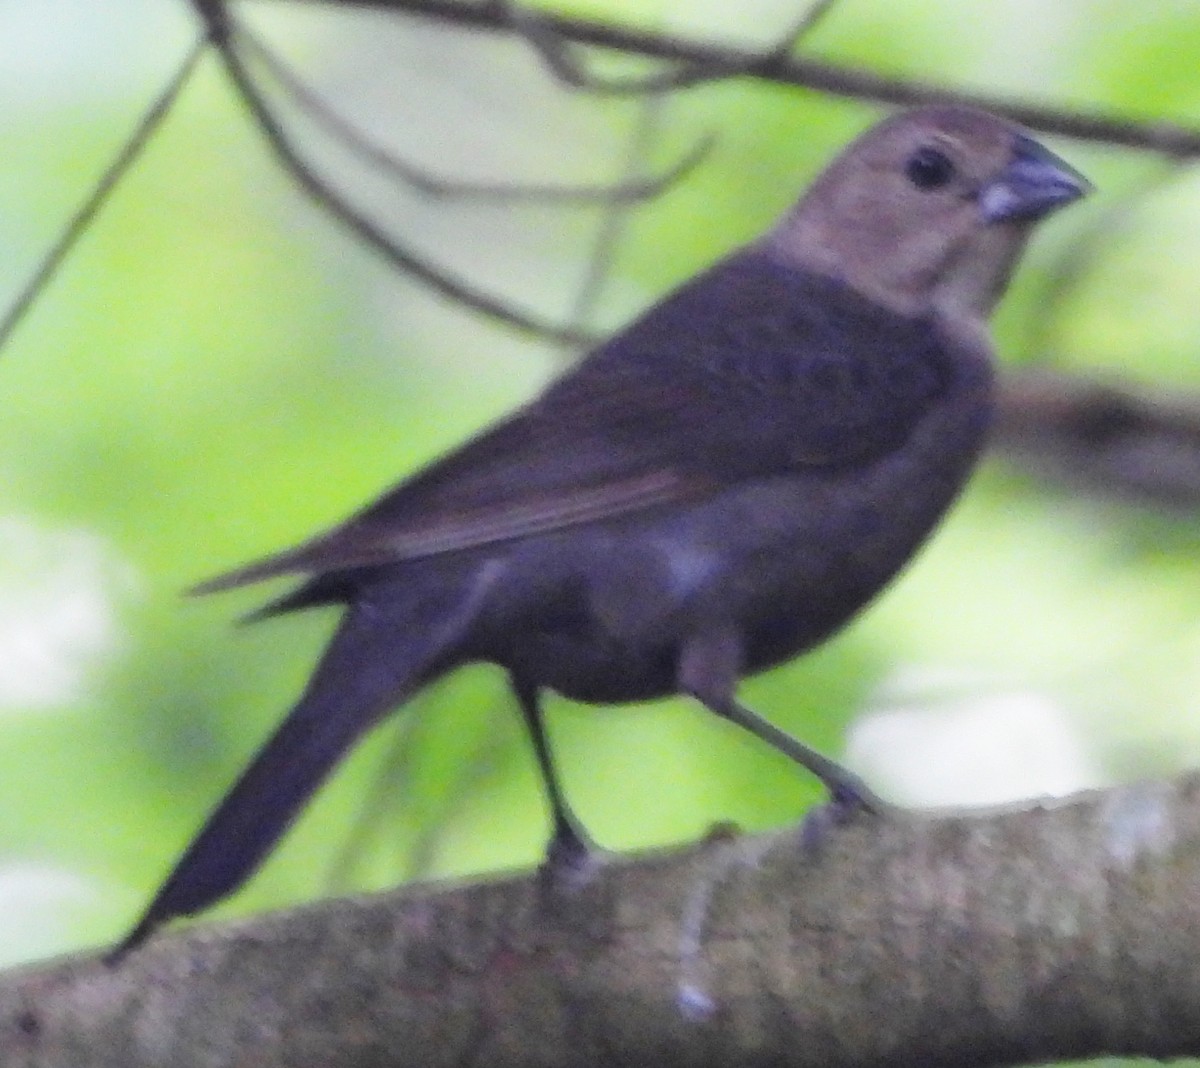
[224, 35]
[392, 792]
[358, 142]
[615, 219]
[390, 788]
[82, 218]
[556, 53]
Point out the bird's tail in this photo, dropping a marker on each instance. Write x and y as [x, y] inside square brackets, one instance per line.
[382, 653]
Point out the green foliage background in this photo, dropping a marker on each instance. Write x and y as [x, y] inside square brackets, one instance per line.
[219, 371]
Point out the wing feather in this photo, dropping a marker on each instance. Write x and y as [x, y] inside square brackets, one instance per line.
[752, 369]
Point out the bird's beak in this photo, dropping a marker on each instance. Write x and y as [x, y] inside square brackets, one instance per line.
[1035, 183]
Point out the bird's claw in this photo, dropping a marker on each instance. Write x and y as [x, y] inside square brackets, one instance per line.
[571, 861]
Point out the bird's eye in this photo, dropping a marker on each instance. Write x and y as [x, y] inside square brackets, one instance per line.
[929, 168]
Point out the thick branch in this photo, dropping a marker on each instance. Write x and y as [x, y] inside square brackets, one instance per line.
[1101, 438]
[1169, 139]
[1059, 930]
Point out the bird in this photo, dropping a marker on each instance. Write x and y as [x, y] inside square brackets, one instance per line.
[715, 490]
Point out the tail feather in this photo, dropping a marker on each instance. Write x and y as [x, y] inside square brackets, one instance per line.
[254, 814]
[373, 663]
[289, 562]
[318, 592]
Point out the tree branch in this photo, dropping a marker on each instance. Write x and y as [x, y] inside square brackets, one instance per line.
[1058, 930]
[1166, 138]
[1102, 438]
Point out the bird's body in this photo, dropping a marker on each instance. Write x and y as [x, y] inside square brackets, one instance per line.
[714, 491]
[782, 556]
[802, 490]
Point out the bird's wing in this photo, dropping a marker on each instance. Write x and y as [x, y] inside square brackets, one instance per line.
[752, 369]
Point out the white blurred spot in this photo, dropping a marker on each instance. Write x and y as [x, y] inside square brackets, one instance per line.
[44, 909]
[936, 741]
[57, 612]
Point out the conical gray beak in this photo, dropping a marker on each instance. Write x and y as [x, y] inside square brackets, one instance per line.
[1035, 183]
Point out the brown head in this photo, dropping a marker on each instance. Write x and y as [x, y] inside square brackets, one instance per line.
[928, 211]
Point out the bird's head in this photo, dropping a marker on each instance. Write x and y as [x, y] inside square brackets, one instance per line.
[928, 211]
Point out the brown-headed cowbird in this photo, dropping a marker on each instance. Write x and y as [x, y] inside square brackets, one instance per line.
[715, 490]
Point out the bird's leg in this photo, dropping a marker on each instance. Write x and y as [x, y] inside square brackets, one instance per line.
[709, 666]
[569, 852]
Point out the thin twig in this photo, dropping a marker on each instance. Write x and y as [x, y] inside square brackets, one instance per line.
[358, 142]
[554, 50]
[224, 36]
[613, 224]
[391, 785]
[83, 216]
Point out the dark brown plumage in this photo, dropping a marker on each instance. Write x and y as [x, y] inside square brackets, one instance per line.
[718, 488]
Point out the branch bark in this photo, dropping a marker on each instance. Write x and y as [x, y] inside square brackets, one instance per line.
[1057, 930]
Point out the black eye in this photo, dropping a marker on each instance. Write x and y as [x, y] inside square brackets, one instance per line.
[929, 168]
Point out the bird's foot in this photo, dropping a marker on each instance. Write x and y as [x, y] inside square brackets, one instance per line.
[572, 860]
[849, 797]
